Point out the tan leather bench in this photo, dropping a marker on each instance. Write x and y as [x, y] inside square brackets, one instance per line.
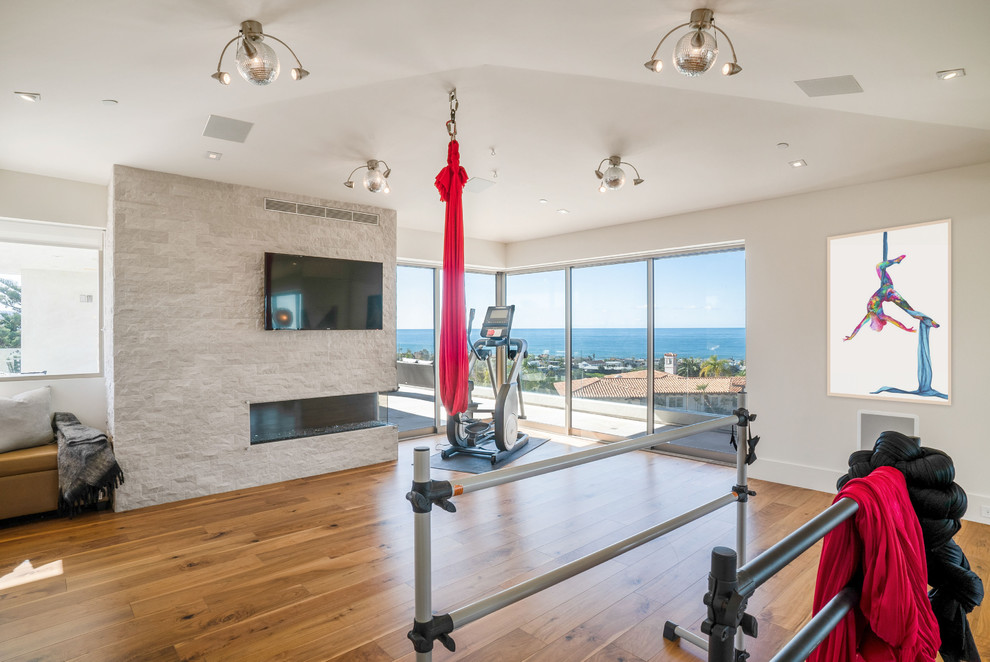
[28, 481]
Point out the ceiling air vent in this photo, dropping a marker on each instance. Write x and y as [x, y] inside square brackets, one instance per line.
[286, 207]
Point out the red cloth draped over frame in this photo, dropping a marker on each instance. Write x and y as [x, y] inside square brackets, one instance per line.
[893, 621]
[453, 354]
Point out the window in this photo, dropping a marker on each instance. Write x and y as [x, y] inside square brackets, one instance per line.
[609, 389]
[699, 334]
[49, 304]
[539, 320]
[412, 407]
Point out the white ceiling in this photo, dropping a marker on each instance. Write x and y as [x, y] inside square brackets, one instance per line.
[554, 86]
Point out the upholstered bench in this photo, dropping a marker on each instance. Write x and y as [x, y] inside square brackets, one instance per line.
[28, 481]
[28, 458]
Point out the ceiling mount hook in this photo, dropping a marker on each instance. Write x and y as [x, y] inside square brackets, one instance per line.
[452, 123]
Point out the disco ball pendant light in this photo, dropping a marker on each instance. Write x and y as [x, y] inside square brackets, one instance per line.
[696, 51]
[256, 61]
[375, 180]
[614, 177]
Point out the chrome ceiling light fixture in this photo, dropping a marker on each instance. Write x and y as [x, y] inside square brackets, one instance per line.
[614, 177]
[256, 61]
[375, 180]
[696, 52]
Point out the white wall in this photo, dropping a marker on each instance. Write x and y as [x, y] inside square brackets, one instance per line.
[806, 435]
[50, 199]
[427, 248]
[83, 396]
[37, 198]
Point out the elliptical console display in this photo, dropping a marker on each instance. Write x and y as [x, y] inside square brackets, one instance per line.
[471, 436]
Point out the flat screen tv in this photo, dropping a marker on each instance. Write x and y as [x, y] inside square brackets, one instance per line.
[311, 293]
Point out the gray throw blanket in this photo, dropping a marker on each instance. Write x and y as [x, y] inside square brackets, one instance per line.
[87, 469]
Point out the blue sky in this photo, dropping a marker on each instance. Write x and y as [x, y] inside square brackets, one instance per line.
[705, 290]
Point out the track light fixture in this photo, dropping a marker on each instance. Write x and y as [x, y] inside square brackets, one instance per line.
[256, 61]
[375, 180]
[695, 52]
[614, 177]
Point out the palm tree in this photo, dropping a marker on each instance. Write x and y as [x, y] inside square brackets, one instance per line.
[715, 367]
[689, 367]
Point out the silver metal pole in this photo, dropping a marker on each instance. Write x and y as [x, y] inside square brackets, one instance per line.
[511, 474]
[422, 543]
[493, 603]
[766, 565]
[818, 628]
[691, 637]
[741, 506]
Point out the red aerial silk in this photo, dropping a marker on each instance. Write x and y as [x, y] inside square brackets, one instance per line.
[453, 354]
[893, 621]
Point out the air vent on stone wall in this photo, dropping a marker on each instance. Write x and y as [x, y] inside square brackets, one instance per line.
[320, 212]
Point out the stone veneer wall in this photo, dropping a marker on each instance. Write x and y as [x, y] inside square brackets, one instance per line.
[186, 349]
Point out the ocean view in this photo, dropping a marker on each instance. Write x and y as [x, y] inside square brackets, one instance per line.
[609, 343]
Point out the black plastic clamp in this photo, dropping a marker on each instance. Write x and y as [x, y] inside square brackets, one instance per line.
[744, 416]
[743, 492]
[726, 609]
[751, 449]
[424, 496]
[437, 628]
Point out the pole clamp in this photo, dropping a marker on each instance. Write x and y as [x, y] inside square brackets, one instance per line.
[744, 416]
[424, 495]
[747, 437]
[743, 492]
[437, 628]
[726, 605]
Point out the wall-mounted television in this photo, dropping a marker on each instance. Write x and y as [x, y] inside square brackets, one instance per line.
[303, 292]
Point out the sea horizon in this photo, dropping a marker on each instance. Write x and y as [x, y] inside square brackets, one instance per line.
[609, 343]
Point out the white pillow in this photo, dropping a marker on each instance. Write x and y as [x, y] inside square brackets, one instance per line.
[26, 420]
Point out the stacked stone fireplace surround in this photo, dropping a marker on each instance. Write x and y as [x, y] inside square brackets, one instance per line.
[186, 352]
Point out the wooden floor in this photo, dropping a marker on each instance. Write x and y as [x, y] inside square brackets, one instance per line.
[321, 569]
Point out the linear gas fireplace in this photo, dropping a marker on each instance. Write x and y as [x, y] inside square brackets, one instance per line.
[310, 417]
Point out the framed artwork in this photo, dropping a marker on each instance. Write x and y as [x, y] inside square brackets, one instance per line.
[889, 314]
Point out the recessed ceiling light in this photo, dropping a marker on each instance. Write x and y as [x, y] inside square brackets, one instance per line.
[543, 201]
[949, 74]
[563, 211]
[782, 145]
[29, 96]
[213, 156]
[109, 102]
[800, 163]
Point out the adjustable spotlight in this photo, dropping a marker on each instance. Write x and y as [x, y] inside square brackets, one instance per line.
[375, 180]
[696, 52]
[614, 177]
[256, 61]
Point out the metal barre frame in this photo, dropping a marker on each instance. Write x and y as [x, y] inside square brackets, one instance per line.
[807, 639]
[753, 574]
[512, 474]
[427, 492]
[731, 586]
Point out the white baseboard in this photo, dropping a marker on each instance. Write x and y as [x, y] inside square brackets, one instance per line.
[823, 480]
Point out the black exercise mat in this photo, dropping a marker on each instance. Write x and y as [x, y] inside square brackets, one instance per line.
[479, 465]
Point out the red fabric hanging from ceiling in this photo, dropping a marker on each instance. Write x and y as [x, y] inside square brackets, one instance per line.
[883, 544]
[453, 354]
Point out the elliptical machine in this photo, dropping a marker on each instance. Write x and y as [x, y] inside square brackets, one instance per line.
[468, 435]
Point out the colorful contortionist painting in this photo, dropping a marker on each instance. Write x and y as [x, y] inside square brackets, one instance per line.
[877, 318]
[886, 362]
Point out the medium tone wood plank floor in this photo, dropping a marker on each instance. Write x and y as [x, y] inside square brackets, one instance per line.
[321, 569]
